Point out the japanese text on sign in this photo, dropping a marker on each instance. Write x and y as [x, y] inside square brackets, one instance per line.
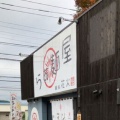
[62, 109]
[55, 71]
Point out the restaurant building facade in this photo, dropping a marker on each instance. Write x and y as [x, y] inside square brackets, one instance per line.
[78, 70]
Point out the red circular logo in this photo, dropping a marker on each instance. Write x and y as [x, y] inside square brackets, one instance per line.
[34, 116]
[50, 67]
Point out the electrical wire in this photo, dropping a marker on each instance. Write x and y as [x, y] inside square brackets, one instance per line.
[20, 55]
[27, 26]
[20, 35]
[8, 59]
[9, 54]
[48, 5]
[9, 81]
[20, 45]
[18, 40]
[8, 89]
[24, 30]
[28, 12]
[4, 76]
[35, 9]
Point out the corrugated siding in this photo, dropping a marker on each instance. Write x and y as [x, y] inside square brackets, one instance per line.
[98, 53]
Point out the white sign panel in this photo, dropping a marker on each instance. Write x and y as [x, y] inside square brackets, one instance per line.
[62, 110]
[55, 64]
[18, 110]
[13, 106]
[16, 113]
[34, 114]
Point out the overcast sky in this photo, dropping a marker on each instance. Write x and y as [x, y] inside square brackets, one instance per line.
[26, 29]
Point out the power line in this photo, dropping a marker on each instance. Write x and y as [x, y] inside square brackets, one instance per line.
[9, 54]
[28, 12]
[23, 55]
[26, 55]
[8, 59]
[8, 89]
[24, 30]
[34, 9]
[17, 40]
[26, 26]
[20, 45]
[49, 5]
[20, 35]
[20, 55]
[4, 76]
[8, 81]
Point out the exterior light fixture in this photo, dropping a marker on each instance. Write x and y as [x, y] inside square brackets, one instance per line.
[61, 19]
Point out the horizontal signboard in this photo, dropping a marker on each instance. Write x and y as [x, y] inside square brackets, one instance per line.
[55, 64]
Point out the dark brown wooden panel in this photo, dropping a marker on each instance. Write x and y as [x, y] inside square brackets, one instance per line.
[99, 107]
[97, 44]
[27, 85]
[98, 61]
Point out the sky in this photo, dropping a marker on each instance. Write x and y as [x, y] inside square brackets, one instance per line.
[33, 28]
